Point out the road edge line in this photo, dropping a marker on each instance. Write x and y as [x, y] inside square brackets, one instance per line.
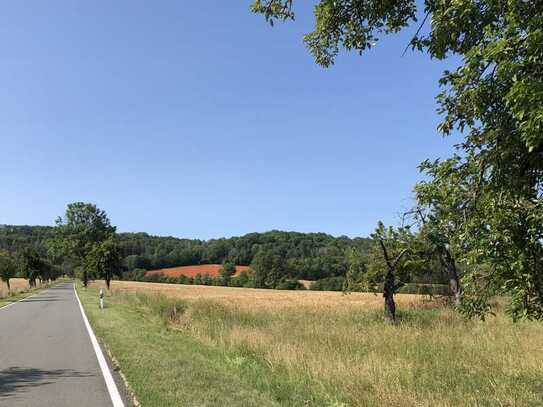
[110, 383]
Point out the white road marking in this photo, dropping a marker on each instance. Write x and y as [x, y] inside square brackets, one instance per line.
[110, 383]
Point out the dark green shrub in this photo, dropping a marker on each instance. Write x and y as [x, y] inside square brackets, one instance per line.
[289, 284]
[134, 275]
[235, 282]
[328, 284]
[184, 280]
[154, 278]
[243, 278]
[425, 289]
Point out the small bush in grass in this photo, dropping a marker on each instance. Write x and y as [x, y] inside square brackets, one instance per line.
[184, 280]
[426, 289]
[289, 284]
[328, 284]
[242, 279]
[134, 275]
[154, 278]
[235, 282]
[169, 310]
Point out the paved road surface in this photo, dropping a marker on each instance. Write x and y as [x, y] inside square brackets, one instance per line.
[46, 356]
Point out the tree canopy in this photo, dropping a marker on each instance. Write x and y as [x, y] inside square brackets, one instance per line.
[83, 227]
[104, 260]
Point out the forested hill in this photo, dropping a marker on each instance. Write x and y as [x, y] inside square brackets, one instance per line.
[17, 238]
[309, 256]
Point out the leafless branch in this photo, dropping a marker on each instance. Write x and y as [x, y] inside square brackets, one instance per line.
[417, 33]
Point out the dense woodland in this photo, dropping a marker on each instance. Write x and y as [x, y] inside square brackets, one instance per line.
[285, 256]
[307, 256]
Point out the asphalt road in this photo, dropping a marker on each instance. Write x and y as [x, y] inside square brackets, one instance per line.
[46, 355]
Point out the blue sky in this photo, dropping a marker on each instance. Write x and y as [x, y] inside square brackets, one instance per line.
[197, 119]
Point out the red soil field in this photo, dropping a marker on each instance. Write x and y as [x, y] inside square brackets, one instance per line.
[191, 271]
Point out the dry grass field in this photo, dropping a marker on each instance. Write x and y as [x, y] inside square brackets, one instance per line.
[17, 284]
[338, 347]
[262, 299]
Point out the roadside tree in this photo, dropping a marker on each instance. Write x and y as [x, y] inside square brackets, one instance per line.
[33, 267]
[104, 260]
[82, 228]
[8, 267]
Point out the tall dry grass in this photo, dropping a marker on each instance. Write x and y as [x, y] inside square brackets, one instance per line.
[431, 358]
[16, 284]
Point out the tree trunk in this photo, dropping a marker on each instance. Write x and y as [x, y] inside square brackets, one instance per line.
[447, 261]
[388, 294]
[455, 291]
[85, 279]
[454, 282]
[7, 283]
[108, 282]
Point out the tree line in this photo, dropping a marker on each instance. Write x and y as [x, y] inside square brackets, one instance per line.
[305, 256]
[417, 253]
[28, 264]
[308, 256]
[277, 259]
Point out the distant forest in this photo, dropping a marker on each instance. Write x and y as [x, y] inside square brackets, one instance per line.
[307, 256]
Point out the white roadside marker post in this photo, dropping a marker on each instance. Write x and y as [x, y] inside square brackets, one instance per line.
[101, 298]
